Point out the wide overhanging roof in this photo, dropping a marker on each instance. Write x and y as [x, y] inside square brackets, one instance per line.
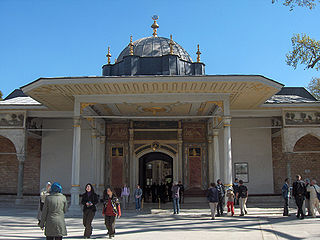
[245, 91]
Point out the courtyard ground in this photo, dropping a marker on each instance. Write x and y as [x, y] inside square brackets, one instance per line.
[17, 222]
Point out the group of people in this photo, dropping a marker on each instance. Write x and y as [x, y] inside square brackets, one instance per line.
[53, 205]
[306, 194]
[236, 194]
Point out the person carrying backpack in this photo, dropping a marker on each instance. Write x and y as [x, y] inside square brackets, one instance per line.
[299, 191]
[314, 191]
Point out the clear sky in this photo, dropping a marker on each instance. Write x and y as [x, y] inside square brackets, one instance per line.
[52, 38]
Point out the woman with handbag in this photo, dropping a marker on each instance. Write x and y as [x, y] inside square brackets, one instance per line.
[111, 210]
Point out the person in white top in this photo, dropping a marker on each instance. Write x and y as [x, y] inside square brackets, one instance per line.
[313, 188]
[125, 192]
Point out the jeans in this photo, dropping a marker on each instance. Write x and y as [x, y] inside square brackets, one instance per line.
[88, 216]
[138, 203]
[125, 201]
[299, 202]
[213, 208]
[230, 206]
[110, 222]
[176, 205]
[53, 238]
[243, 205]
[220, 206]
[286, 207]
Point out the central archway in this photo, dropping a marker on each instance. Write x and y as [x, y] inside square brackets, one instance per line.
[154, 168]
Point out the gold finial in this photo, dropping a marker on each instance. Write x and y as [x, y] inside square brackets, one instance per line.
[198, 53]
[155, 25]
[131, 46]
[171, 43]
[109, 55]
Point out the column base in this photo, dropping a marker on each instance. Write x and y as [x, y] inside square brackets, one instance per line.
[74, 211]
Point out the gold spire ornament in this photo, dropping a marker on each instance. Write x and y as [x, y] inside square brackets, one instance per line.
[131, 46]
[171, 43]
[198, 54]
[155, 25]
[109, 55]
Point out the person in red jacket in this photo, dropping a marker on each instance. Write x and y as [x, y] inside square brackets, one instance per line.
[111, 210]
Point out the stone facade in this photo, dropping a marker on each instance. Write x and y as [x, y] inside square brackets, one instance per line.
[9, 167]
[304, 161]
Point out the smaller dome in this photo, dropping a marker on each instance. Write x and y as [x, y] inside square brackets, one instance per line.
[155, 47]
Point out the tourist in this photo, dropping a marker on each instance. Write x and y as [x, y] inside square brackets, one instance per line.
[213, 199]
[221, 192]
[89, 201]
[299, 192]
[307, 199]
[52, 218]
[314, 191]
[138, 197]
[175, 198]
[235, 187]
[125, 192]
[242, 195]
[43, 194]
[230, 202]
[181, 192]
[111, 210]
[286, 196]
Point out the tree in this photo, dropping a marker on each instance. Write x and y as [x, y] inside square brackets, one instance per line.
[314, 87]
[301, 3]
[305, 51]
[1, 96]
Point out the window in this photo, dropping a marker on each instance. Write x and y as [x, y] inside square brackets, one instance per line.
[242, 171]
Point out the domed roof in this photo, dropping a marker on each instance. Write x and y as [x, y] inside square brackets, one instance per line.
[155, 47]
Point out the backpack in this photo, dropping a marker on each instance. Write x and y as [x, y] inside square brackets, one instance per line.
[318, 194]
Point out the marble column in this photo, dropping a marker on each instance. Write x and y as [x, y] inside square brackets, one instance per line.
[211, 159]
[102, 164]
[288, 166]
[133, 164]
[179, 176]
[21, 159]
[216, 156]
[227, 152]
[94, 160]
[75, 177]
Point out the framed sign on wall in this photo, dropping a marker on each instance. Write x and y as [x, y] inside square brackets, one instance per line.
[242, 171]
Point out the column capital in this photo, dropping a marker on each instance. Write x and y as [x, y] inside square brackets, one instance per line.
[102, 139]
[227, 121]
[21, 157]
[210, 138]
[215, 132]
[76, 121]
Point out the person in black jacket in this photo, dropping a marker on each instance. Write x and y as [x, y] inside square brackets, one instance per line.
[221, 192]
[299, 191]
[89, 201]
[213, 199]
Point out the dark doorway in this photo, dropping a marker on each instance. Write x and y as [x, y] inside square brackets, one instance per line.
[155, 170]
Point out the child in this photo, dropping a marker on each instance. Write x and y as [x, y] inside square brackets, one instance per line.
[230, 203]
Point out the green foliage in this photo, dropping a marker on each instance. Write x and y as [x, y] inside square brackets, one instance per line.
[301, 3]
[306, 51]
[314, 87]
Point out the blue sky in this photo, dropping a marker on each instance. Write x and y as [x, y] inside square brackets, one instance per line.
[51, 38]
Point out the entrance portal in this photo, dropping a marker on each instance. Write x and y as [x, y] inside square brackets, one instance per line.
[154, 168]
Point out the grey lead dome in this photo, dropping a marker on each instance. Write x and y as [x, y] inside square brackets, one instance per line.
[155, 47]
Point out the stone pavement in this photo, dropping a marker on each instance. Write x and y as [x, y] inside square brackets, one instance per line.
[18, 222]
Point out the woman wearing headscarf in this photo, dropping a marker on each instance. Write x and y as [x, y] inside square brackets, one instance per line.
[43, 194]
[89, 201]
[111, 210]
[54, 208]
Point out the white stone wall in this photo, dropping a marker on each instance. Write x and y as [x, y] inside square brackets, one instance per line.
[251, 143]
[56, 153]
